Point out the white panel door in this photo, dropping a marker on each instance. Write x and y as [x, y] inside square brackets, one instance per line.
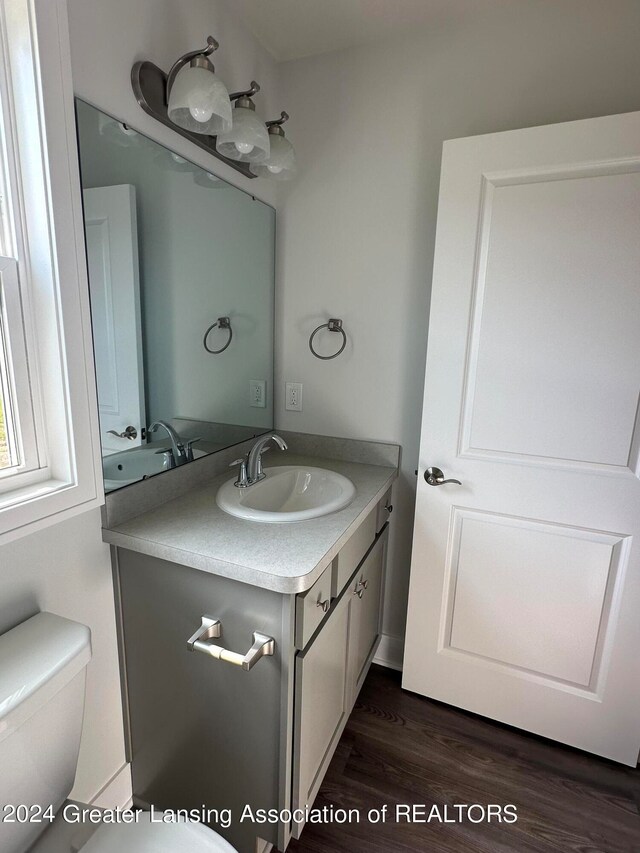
[524, 602]
[112, 252]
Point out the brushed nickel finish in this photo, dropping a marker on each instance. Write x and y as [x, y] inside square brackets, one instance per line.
[435, 477]
[211, 629]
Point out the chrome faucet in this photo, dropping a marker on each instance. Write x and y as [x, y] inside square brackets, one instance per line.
[251, 466]
[181, 451]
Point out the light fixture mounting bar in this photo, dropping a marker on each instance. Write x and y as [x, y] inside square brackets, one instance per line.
[149, 84]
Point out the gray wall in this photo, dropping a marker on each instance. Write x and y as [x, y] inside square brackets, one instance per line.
[357, 227]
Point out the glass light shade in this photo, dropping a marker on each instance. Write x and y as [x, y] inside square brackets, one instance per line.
[199, 101]
[281, 163]
[248, 139]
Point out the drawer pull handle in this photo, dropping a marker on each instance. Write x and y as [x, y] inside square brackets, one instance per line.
[211, 629]
[389, 508]
[325, 605]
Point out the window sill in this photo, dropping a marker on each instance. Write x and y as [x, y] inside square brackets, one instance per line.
[26, 510]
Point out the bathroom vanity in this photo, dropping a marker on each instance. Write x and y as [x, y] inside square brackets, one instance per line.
[202, 732]
[243, 644]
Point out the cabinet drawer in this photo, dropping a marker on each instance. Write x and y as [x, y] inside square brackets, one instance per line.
[312, 606]
[322, 706]
[353, 551]
[384, 511]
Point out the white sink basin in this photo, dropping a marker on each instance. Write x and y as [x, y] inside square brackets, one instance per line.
[288, 493]
[129, 466]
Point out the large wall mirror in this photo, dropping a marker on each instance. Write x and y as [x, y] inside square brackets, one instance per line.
[173, 251]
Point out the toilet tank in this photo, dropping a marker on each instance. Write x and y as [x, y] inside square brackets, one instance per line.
[42, 675]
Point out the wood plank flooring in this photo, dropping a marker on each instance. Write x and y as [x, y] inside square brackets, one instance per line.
[400, 748]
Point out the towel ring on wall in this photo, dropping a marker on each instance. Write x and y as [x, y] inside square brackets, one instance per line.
[332, 326]
[221, 323]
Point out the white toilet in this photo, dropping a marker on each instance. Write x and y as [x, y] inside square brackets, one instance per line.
[42, 677]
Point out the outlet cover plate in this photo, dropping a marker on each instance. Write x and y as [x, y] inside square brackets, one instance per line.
[293, 396]
[258, 393]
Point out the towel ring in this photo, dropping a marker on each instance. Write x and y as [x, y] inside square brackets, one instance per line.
[332, 326]
[221, 323]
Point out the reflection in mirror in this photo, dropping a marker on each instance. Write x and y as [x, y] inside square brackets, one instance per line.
[181, 279]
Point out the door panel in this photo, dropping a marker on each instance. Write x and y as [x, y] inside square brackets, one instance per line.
[533, 597]
[321, 706]
[525, 580]
[112, 255]
[573, 244]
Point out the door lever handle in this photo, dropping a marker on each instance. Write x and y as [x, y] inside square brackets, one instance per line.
[435, 477]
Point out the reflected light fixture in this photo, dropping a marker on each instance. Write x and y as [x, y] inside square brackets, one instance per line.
[197, 98]
[280, 165]
[118, 132]
[248, 139]
[209, 180]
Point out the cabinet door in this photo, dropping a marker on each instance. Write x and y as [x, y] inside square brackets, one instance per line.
[322, 705]
[366, 595]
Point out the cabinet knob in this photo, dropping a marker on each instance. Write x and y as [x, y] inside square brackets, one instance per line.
[360, 587]
[325, 605]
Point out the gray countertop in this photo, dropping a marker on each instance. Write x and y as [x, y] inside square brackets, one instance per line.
[287, 558]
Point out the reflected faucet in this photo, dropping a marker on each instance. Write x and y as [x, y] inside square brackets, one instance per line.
[182, 452]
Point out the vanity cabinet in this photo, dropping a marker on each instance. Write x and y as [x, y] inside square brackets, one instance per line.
[205, 734]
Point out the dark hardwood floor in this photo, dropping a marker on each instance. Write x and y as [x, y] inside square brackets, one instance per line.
[399, 748]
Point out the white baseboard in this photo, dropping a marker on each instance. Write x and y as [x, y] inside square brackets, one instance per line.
[117, 792]
[390, 652]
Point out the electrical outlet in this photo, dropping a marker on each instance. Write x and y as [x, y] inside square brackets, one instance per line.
[293, 397]
[258, 393]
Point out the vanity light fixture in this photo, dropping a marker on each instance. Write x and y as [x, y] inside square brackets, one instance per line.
[248, 139]
[194, 102]
[197, 98]
[280, 165]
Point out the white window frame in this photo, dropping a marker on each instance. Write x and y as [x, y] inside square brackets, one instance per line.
[15, 386]
[45, 294]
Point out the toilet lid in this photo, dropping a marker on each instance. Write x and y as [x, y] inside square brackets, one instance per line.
[146, 837]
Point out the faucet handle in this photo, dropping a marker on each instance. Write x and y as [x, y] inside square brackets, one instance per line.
[169, 458]
[189, 447]
[242, 481]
